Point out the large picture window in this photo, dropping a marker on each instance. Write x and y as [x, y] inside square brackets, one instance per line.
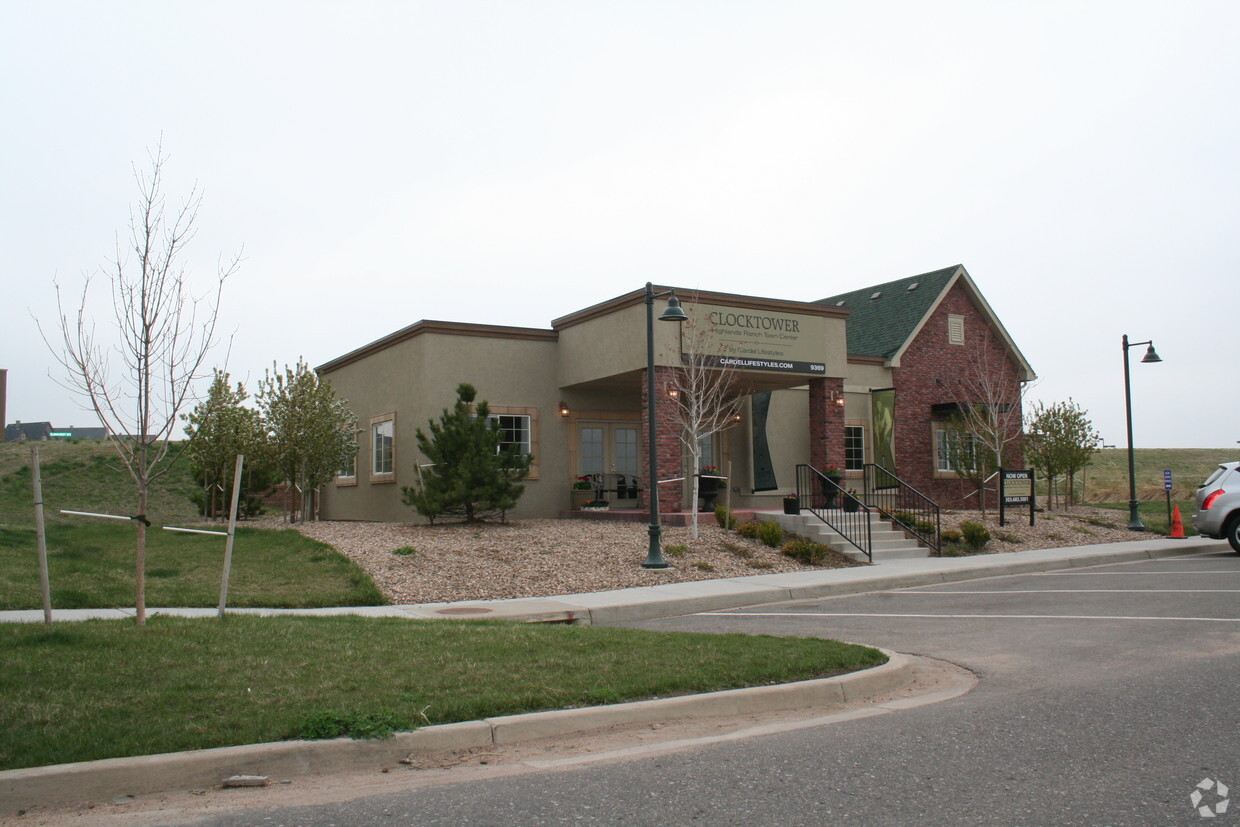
[383, 448]
[952, 448]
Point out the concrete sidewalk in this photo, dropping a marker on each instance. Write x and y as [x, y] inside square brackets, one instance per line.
[105, 779]
[646, 602]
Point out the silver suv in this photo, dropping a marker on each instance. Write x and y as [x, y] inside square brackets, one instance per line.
[1218, 505]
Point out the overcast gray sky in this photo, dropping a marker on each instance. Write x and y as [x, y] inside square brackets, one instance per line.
[510, 162]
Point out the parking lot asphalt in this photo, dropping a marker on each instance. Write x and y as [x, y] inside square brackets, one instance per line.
[872, 605]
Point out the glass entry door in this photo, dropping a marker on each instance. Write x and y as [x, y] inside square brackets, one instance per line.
[607, 452]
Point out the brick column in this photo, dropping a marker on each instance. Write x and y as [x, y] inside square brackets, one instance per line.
[826, 423]
[670, 499]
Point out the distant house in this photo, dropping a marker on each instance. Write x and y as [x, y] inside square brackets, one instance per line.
[74, 432]
[28, 432]
[44, 431]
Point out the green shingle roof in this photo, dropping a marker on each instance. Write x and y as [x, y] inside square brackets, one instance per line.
[884, 316]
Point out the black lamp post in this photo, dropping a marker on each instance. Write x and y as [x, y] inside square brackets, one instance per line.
[673, 313]
[1134, 518]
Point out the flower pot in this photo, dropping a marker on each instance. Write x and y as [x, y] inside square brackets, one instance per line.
[580, 496]
[708, 489]
[851, 504]
[827, 490]
[792, 505]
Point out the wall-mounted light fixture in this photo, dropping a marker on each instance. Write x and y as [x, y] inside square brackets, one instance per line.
[674, 393]
[563, 408]
[837, 399]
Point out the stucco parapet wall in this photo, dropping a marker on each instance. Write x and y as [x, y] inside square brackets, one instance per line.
[428, 326]
[638, 297]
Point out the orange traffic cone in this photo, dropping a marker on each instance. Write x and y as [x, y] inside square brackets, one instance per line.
[1177, 524]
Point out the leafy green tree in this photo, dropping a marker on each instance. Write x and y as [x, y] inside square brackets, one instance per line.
[472, 474]
[311, 432]
[1063, 442]
[219, 428]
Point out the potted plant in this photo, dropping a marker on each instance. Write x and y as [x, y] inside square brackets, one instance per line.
[851, 502]
[830, 487]
[708, 486]
[792, 505]
[582, 491]
[596, 505]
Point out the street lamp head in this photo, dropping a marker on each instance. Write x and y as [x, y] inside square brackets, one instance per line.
[1150, 355]
[673, 313]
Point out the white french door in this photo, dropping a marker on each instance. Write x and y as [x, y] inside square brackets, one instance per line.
[608, 452]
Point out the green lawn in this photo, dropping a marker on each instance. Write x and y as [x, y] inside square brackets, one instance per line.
[91, 566]
[1154, 514]
[101, 689]
[86, 476]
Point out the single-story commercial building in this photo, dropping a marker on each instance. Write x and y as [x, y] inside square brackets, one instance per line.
[862, 378]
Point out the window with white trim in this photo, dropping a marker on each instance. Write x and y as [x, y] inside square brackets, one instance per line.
[518, 426]
[347, 475]
[514, 430]
[854, 447]
[950, 445]
[383, 448]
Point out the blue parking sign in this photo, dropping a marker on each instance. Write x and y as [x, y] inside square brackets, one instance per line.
[1166, 479]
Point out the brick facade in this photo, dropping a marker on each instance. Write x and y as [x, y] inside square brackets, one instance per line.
[667, 436]
[826, 423]
[929, 374]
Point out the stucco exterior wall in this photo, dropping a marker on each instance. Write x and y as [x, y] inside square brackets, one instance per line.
[416, 379]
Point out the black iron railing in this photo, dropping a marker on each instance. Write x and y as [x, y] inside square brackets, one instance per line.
[847, 515]
[904, 505]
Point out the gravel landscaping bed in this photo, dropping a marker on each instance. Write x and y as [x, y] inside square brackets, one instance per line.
[414, 563]
[537, 558]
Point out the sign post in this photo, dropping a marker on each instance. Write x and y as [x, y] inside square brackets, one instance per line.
[1015, 488]
[1167, 488]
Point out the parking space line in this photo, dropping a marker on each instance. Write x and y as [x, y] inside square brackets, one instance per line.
[1096, 573]
[919, 591]
[967, 617]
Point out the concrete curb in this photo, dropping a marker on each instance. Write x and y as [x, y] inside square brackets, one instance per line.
[650, 602]
[148, 774]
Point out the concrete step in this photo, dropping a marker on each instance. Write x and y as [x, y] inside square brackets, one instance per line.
[886, 543]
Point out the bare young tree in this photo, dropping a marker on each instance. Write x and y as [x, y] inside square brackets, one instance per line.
[707, 398]
[138, 380]
[991, 401]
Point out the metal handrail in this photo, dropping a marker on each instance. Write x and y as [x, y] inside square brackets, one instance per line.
[904, 505]
[821, 496]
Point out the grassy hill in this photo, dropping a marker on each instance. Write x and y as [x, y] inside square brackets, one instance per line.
[86, 476]
[1106, 478]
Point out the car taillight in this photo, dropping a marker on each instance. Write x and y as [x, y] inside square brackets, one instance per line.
[1210, 498]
